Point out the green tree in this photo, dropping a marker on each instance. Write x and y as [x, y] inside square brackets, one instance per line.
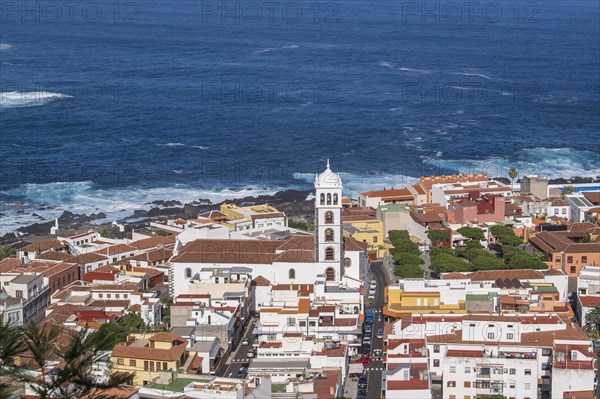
[11, 345]
[592, 321]
[567, 191]
[107, 233]
[446, 261]
[76, 352]
[473, 233]
[409, 271]
[110, 334]
[512, 173]
[437, 237]
[6, 251]
[162, 233]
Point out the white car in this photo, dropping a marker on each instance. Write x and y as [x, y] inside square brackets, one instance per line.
[373, 285]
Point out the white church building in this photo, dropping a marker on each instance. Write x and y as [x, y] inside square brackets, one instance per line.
[298, 259]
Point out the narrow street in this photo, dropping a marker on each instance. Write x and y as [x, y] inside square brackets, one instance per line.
[240, 355]
[374, 370]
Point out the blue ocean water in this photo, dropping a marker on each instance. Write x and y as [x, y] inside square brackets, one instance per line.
[106, 105]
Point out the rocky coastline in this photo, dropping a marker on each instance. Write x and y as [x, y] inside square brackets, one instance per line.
[292, 202]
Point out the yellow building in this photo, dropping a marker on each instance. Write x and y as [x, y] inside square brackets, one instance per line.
[252, 216]
[146, 357]
[400, 302]
[369, 231]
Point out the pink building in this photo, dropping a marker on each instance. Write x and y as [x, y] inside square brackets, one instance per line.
[477, 208]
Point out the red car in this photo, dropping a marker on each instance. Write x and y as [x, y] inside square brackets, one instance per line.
[364, 359]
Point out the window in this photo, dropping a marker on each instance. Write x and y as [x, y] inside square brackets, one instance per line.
[291, 322]
[512, 385]
[330, 274]
[451, 384]
[328, 235]
[584, 259]
[467, 384]
[436, 362]
[151, 366]
[328, 199]
[132, 363]
[527, 386]
[467, 370]
[157, 366]
[100, 295]
[164, 366]
[329, 217]
[347, 262]
[452, 369]
[292, 274]
[145, 365]
[569, 259]
[558, 259]
[329, 253]
[573, 270]
[188, 273]
[375, 239]
[491, 335]
[335, 199]
[510, 336]
[564, 211]
[527, 371]
[322, 199]
[546, 351]
[556, 211]
[513, 371]
[302, 323]
[436, 349]
[19, 294]
[120, 362]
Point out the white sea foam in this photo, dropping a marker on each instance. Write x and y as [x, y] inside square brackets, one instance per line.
[201, 147]
[14, 99]
[269, 49]
[385, 64]
[404, 69]
[117, 203]
[171, 145]
[479, 75]
[5, 46]
[354, 184]
[549, 162]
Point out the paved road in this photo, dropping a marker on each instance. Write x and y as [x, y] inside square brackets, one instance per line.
[241, 354]
[374, 369]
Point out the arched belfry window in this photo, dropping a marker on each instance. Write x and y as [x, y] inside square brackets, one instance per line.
[292, 274]
[335, 199]
[329, 217]
[330, 274]
[329, 235]
[322, 199]
[329, 253]
[328, 199]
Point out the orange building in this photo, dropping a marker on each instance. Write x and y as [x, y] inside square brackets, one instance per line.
[570, 249]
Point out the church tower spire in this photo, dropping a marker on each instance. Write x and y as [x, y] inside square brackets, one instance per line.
[328, 223]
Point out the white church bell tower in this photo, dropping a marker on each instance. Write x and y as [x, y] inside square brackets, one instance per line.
[328, 223]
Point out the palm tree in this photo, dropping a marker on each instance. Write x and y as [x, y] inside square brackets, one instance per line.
[592, 320]
[11, 345]
[6, 251]
[76, 352]
[513, 173]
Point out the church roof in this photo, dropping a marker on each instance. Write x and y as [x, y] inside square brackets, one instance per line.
[350, 244]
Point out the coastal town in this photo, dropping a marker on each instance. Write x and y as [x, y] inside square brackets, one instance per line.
[457, 286]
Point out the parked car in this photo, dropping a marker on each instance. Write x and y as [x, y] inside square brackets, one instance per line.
[245, 342]
[364, 359]
[368, 329]
[362, 394]
[379, 333]
[373, 285]
[367, 339]
[362, 381]
[251, 354]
